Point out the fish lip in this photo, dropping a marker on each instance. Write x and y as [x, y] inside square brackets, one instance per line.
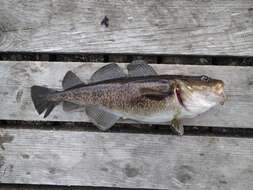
[223, 98]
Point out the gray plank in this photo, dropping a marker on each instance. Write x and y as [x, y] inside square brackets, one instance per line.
[217, 27]
[16, 78]
[125, 160]
[54, 187]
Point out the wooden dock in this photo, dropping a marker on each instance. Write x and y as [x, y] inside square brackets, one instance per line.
[41, 40]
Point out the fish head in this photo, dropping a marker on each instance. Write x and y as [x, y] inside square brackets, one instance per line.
[201, 93]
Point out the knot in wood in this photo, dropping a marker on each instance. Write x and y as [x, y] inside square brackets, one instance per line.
[105, 21]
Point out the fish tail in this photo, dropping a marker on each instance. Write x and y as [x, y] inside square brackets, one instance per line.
[40, 99]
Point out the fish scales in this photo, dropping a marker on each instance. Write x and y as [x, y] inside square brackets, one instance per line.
[142, 95]
[124, 97]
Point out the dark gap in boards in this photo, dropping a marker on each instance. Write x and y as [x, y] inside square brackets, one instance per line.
[129, 128]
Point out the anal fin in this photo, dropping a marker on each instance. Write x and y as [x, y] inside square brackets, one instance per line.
[103, 119]
[68, 106]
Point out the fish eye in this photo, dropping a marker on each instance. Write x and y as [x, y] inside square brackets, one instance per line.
[204, 78]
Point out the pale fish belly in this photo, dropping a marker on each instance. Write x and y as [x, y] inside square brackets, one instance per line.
[161, 117]
[196, 105]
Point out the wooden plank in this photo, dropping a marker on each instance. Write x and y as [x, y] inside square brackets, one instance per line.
[125, 160]
[52, 187]
[217, 27]
[16, 78]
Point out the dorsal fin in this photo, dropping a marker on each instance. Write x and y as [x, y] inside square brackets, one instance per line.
[107, 72]
[70, 79]
[140, 68]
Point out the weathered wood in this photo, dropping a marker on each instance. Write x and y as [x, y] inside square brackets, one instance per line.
[125, 160]
[16, 78]
[52, 187]
[217, 27]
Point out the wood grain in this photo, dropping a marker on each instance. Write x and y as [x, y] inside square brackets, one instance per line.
[126, 160]
[210, 27]
[16, 78]
[57, 187]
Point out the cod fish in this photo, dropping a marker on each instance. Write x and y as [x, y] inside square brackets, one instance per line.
[141, 95]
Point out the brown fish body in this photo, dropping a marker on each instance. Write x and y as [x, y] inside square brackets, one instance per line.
[125, 97]
[142, 95]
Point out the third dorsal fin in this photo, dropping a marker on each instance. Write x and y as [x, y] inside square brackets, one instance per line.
[140, 68]
[70, 79]
[107, 72]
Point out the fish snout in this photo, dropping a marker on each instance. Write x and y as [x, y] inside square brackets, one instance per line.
[222, 98]
[219, 87]
[219, 90]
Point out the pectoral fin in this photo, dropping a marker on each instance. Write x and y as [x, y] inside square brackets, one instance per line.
[177, 126]
[156, 92]
[101, 118]
[140, 68]
[153, 94]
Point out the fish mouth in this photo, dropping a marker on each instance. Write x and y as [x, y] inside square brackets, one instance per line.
[222, 98]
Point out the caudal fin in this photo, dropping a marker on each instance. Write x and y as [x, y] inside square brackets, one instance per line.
[41, 103]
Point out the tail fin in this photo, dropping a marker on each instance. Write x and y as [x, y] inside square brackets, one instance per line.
[41, 103]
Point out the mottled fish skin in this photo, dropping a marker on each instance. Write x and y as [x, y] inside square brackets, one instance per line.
[140, 95]
[123, 96]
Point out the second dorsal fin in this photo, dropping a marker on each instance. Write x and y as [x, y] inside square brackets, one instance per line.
[70, 79]
[107, 72]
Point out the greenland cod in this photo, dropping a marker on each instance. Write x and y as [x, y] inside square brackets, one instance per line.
[141, 95]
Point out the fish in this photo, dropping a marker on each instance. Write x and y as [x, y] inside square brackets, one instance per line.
[142, 95]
